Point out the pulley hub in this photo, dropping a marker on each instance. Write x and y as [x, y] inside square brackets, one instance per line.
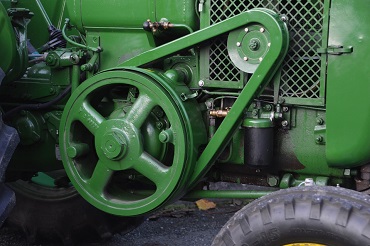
[248, 46]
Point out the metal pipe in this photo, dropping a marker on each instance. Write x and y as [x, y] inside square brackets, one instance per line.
[182, 26]
[227, 194]
[75, 43]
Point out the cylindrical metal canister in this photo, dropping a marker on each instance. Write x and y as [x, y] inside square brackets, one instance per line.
[87, 14]
[258, 142]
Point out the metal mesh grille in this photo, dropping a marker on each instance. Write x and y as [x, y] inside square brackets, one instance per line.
[300, 75]
[220, 66]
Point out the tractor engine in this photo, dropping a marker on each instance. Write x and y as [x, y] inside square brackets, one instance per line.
[136, 104]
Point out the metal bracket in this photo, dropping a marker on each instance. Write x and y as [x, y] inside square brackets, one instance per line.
[335, 50]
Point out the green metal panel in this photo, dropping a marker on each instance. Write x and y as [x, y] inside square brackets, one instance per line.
[113, 14]
[178, 12]
[120, 45]
[130, 14]
[348, 113]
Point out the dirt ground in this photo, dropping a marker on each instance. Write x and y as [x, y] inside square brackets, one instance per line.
[182, 224]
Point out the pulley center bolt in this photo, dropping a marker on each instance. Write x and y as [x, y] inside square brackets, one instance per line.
[114, 145]
[254, 44]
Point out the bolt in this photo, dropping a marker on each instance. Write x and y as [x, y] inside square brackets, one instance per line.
[262, 29]
[319, 121]
[74, 59]
[319, 139]
[114, 145]
[272, 181]
[201, 83]
[254, 44]
[284, 18]
[246, 29]
[245, 58]
[159, 125]
[285, 123]
[347, 172]
[238, 44]
[255, 112]
[285, 109]
[309, 182]
[268, 107]
[166, 136]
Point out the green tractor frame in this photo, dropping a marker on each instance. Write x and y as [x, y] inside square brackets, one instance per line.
[112, 110]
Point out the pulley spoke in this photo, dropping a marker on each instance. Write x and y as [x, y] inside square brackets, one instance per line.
[89, 117]
[152, 169]
[100, 177]
[140, 110]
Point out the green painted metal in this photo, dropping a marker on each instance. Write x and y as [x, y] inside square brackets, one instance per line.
[8, 50]
[132, 140]
[263, 74]
[194, 38]
[117, 141]
[348, 79]
[247, 47]
[308, 25]
[20, 18]
[38, 27]
[257, 123]
[43, 179]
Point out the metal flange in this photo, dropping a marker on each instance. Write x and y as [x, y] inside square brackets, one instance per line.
[248, 46]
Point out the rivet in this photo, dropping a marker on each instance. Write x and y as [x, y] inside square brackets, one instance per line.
[238, 44]
[201, 83]
[260, 59]
[245, 58]
[269, 44]
[246, 30]
[262, 29]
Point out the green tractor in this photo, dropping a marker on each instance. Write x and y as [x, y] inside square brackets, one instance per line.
[123, 107]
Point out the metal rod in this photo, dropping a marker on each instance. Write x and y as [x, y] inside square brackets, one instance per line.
[221, 93]
[75, 77]
[44, 14]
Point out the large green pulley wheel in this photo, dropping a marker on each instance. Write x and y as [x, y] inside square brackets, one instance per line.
[128, 142]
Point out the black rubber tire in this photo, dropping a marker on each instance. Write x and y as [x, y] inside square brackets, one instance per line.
[323, 215]
[62, 215]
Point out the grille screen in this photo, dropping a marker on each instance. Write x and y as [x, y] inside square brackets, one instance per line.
[300, 75]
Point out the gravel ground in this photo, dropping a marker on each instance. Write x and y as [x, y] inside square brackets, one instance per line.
[180, 225]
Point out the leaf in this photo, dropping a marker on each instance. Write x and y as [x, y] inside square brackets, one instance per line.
[204, 204]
